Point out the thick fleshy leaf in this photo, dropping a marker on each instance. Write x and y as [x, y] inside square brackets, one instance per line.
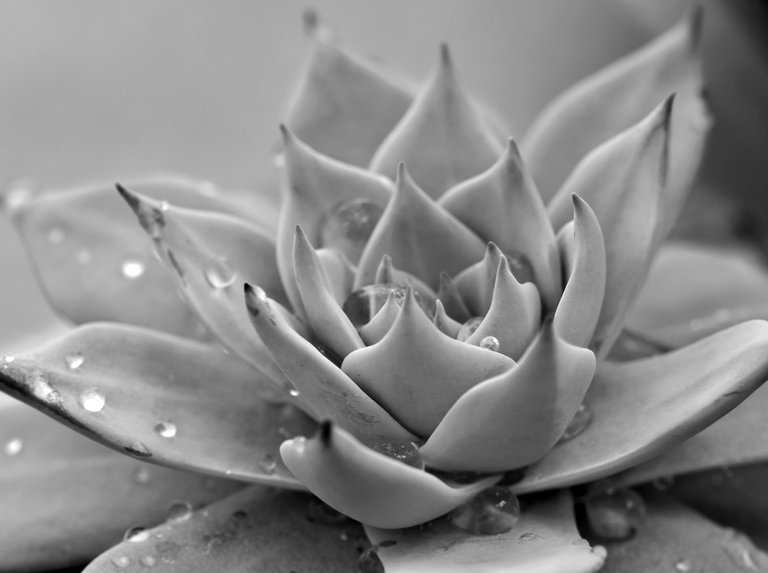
[421, 237]
[211, 255]
[544, 540]
[345, 107]
[579, 308]
[622, 180]
[476, 283]
[315, 188]
[610, 101]
[373, 331]
[671, 537]
[513, 419]
[416, 372]
[368, 486]
[443, 322]
[319, 382]
[503, 205]
[443, 137]
[94, 262]
[257, 529]
[693, 291]
[326, 319]
[65, 498]
[338, 271]
[642, 408]
[451, 299]
[159, 398]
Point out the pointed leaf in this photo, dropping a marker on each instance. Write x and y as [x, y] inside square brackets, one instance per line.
[417, 373]
[544, 540]
[368, 486]
[523, 411]
[330, 393]
[338, 271]
[159, 398]
[476, 283]
[345, 107]
[450, 297]
[672, 537]
[65, 498]
[257, 529]
[93, 261]
[503, 205]
[443, 322]
[642, 408]
[382, 321]
[211, 255]
[443, 137]
[610, 101]
[420, 236]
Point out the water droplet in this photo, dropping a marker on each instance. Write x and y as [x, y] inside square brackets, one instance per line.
[42, 390]
[682, 565]
[319, 512]
[663, 483]
[92, 399]
[147, 561]
[348, 227]
[363, 304]
[528, 536]
[578, 424]
[294, 392]
[614, 514]
[400, 450]
[132, 269]
[138, 449]
[370, 562]
[179, 511]
[121, 562]
[74, 360]
[136, 535]
[165, 429]
[15, 195]
[268, 464]
[490, 343]
[13, 447]
[142, 475]
[219, 273]
[520, 267]
[83, 256]
[468, 328]
[55, 236]
[8, 359]
[494, 510]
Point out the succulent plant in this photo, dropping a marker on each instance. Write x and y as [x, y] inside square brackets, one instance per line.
[430, 323]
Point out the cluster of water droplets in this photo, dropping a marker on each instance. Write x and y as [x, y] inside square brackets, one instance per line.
[403, 451]
[614, 514]
[493, 511]
[578, 424]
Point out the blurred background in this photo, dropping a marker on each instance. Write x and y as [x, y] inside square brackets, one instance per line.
[93, 90]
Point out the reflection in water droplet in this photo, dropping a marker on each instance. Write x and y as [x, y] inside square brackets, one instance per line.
[92, 399]
[468, 328]
[147, 561]
[136, 535]
[42, 390]
[83, 256]
[578, 424]
[490, 343]
[121, 562]
[142, 475]
[219, 273]
[614, 514]
[370, 562]
[682, 565]
[74, 360]
[528, 536]
[132, 269]
[268, 464]
[494, 510]
[179, 511]
[165, 429]
[138, 449]
[400, 450]
[348, 227]
[13, 447]
[55, 236]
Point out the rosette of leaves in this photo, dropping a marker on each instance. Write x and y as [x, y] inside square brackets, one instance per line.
[431, 322]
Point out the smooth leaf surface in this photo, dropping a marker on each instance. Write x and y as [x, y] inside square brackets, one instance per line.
[257, 529]
[160, 398]
[544, 540]
[65, 498]
[641, 408]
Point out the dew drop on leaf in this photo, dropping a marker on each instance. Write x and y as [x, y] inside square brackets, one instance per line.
[363, 304]
[15, 195]
[165, 429]
[179, 511]
[42, 390]
[92, 400]
[74, 360]
[13, 447]
[349, 226]
[268, 464]
[219, 273]
[294, 392]
[468, 328]
[578, 424]
[136, 535]
[400, 450]
[528, 536]
[8, 359]
[614, 514]
[682, 565]
[147, 560]
[138, 449]
[370, 562]
[490, 343]
[121, 561]
[132, 269]
[492, 511]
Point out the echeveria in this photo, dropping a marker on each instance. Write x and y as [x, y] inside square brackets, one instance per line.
[433, 322]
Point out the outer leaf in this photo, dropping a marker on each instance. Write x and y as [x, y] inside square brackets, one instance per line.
[80, 241]
[644, 407]
[608, 102]
[371, 487]
[674, 538]
[166, 399]
[257, 529]
[65, 498]
[443, 137]
[545, 540]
